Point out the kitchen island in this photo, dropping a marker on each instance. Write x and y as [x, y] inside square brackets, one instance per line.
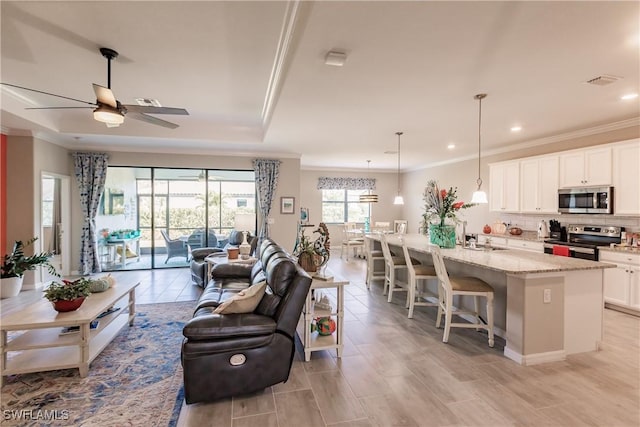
[545, 306]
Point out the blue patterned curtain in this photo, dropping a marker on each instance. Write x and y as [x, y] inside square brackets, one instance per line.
[326, 183]
[266, 182]
[91, 174]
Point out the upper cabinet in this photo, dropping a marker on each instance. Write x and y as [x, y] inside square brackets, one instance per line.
[586, 168]
[626, 178]
[504, 187]
[539, 185]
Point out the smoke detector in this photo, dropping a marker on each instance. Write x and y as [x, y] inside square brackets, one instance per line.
[603, 80]
[335, 58]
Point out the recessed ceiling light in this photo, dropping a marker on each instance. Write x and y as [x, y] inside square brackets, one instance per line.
[516, 128]
[451, 146]
[629, 96]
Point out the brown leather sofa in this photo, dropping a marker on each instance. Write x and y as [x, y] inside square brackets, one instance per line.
[225, 355]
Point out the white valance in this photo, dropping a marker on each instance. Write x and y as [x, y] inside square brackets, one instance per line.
[327, 183]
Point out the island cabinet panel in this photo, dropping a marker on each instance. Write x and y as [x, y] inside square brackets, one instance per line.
[539, 185]
[586, 168]
[626, 178]
[504, 187]
[622, 284]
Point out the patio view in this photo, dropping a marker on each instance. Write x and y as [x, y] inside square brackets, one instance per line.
[154, 217]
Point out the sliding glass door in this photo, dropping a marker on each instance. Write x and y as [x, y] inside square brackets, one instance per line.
[156, 216]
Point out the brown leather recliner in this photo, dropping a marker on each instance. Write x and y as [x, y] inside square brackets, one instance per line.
[225, 355]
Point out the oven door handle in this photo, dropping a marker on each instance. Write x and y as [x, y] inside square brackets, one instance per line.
[582, 250]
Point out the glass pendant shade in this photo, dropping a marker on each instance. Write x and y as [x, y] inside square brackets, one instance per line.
[479, 197]
[398, 200]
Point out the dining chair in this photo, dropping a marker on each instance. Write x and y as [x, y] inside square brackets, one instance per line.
[351, 238]
[418, 276]
[372, 256]
[400, 226]
[382, 226]
[450, 286]
[393, 265]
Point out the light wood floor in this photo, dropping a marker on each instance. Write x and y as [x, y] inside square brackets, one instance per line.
[397, 372]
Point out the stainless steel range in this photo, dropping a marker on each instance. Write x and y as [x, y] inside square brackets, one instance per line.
[584, 240]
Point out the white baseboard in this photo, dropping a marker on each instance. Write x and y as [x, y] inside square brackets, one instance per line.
[536, 358]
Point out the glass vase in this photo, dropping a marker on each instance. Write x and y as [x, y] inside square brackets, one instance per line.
[442, 235]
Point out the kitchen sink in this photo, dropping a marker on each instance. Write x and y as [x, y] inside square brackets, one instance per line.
[484, 248]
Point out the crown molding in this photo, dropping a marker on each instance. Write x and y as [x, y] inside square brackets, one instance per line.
[580, 133]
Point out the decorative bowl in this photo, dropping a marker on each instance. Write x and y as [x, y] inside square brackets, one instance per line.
[63, 306]
[515, 231]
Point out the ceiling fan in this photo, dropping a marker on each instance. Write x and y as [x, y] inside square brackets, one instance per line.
[108, 109]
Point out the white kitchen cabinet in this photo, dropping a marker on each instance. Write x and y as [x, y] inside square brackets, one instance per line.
[498, 242]
[504, 187]
[539, 185]
[622, 284]
[626, 178]
[587, 167]
[525, 245]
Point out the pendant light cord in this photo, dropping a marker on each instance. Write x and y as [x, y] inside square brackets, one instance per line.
[398, 173]
[479, 97]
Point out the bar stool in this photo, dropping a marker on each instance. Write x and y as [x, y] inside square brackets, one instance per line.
[393, 264]
[450, 286]
[372, 257]
[419, 273]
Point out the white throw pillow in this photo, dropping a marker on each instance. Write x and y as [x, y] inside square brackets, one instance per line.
[245, 301]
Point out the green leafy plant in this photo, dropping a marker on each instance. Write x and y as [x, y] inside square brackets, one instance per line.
[16, 263]
[68, 290]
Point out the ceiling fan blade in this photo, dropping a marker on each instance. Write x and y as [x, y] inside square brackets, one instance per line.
[156, 110]
[153, 120]
[47, 93]
[55, 108]
[105, 96]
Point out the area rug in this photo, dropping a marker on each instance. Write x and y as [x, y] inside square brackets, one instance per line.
[135, 381]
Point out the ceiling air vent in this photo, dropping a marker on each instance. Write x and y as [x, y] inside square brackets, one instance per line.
[603, 80]
[146, 102]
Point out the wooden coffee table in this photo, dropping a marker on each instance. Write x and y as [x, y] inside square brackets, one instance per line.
[40, 347]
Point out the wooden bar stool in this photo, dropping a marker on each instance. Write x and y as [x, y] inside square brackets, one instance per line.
[450, 286]
[419, 274]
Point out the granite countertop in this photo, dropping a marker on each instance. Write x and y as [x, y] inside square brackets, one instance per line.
[510, 261]
[621, 249]
[526, 235]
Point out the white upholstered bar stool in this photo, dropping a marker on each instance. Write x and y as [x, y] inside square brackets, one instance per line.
[418, 275]
[450, 286]
[392, 265]
[372, 256]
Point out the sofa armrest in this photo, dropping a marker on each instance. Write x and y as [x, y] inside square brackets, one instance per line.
[208, 326]
[202, 253]
[231, 270]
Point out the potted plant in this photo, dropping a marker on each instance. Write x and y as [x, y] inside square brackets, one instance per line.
[441, 205]
[306, 253]
[68, 295]
[16, 263]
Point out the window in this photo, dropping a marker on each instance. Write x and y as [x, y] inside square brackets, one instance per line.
[340, 206]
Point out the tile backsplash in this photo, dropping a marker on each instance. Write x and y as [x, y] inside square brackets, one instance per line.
[530, 222]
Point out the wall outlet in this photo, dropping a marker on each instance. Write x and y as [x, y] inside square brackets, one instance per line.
[546, 296]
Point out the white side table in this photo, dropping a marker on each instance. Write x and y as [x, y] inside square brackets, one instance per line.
[312, 341]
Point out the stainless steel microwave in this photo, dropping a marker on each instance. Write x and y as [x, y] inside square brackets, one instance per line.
[587, 200]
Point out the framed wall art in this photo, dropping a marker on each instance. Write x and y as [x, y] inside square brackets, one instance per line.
[287, 205]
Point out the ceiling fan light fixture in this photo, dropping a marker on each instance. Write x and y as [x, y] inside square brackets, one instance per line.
[109, 115]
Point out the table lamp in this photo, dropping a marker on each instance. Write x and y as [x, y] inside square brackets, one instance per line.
[245, 222]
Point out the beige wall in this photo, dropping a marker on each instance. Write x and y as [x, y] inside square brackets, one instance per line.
[28, 158]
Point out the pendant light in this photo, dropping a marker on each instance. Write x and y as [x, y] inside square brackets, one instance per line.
[398, 200]
[479, 196]
[368, 198]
